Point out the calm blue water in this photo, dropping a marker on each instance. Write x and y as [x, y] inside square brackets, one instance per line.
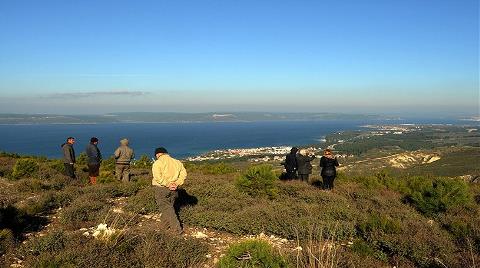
[181, 139]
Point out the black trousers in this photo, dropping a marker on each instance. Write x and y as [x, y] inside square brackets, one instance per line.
[328, 182]
[303, 177]
[69, 170]
[291, 175]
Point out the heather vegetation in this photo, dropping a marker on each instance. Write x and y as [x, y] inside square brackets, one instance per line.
[371, 219]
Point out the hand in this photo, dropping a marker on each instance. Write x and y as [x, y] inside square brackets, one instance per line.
[172, 187]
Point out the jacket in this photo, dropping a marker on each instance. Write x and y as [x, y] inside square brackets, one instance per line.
[304, 165]
[291, 162]
[167, 170]
[93, 154]
[68, 153]
[328, 166]
[124, 155]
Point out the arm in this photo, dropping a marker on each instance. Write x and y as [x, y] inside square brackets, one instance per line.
[182, 176]
[322, 163]
[336, 162]
[117, 153]
[67, 154]
[157, 173]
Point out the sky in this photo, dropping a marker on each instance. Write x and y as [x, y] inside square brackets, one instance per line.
[372, 56]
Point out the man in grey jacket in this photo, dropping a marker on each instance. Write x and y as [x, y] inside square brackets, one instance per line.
[123, 157]
[69, 157]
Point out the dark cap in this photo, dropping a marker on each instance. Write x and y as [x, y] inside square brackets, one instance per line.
[161, 150]
[70, 138]
[93, 139]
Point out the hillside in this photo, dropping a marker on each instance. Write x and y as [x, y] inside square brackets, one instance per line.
[378, 218]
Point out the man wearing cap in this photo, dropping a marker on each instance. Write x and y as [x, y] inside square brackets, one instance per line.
[168, 175]
[123, 157]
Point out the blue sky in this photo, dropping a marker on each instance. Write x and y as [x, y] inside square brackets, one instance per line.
[388, 57]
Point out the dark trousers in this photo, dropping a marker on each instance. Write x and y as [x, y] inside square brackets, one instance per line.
[69, 170]
[303, 177]
[165, 201]
[291, 175]
[328, 182]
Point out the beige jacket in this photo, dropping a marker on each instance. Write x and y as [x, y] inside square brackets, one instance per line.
[167, 170]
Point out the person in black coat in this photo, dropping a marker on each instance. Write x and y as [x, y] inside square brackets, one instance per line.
[304, 165]
[94, 160]
[291, 164]
[328, 162]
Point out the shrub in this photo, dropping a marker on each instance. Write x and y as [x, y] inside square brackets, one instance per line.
[87, 208]
[24, 168]
[211, 168]
[6, 241]
[432, 197]
[252, 253]
[143, 162]
[258, 181]
[143, 202]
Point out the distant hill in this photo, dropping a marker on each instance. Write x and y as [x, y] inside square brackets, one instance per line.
[164, 117]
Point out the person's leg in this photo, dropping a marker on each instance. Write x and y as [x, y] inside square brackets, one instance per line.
[118, 171]
[69, 171]
[325, 183]
[165, 200]
[126, 173]
[331, 183]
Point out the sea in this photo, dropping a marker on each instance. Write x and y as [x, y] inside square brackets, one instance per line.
[181, 139]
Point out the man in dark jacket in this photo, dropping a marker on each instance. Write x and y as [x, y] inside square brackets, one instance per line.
[94, 160]
[304, 165]
[69, 157]
[291, 164]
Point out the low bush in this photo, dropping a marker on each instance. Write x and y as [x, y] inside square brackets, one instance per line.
[211, 168]
[432, 197]
[83, 210]
[24, 168]
[252, 253]
[143, 202]
[258, 181]
[143, 162]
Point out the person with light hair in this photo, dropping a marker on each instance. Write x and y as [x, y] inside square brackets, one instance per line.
[328, 162]
[123, 157]
[304, 167]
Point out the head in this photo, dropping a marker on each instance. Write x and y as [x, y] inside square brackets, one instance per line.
[94, 140]
[294, 150]
[70, 140]
[327, 152]
[303, 152]
[124, 142]
[160, 151]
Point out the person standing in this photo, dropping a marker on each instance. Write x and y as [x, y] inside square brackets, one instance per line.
[94, 160]
[123, 157]
[291, 164]
[304, 165]
[328, 162]
[168, 175]
[69, 157]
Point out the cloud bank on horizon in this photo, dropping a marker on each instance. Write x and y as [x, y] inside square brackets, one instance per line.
[404, 57]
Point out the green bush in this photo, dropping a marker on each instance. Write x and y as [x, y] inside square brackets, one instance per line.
[143, 202]
[252, 253]
[211, 168]
[24, 168]
[258, 181]
[84, 209]
[432, 197]
[143, 162]
[7, 241]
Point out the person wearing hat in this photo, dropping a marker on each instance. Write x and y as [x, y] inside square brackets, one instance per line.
[168, 175]
[123, 156]
[94, 160]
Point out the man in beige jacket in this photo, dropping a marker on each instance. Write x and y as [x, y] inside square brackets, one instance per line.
[168, 174]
